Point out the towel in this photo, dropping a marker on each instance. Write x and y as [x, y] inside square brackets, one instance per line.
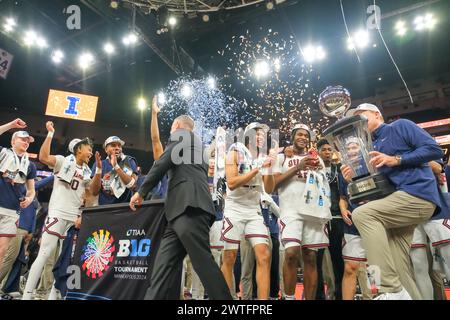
[268, 200]
[116, 184]
[69, 168]
[15, 169]
[316, 197]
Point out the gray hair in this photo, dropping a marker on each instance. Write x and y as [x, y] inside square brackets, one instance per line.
[186, 121]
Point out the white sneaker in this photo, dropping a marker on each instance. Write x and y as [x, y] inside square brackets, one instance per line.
[401, 295]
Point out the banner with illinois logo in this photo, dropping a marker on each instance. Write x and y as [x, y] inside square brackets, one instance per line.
[71, 105]
[115, 252]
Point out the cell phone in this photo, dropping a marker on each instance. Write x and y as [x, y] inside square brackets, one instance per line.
[313, 153]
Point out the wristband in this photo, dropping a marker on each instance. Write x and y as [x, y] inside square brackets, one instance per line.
[116, 167]
[50, 134]
[98, 170]
[131, 184]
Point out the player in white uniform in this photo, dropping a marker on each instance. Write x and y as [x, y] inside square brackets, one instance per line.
[242, 213]
[437, 229]
[17, 175]
[298, 228]
[72, 180]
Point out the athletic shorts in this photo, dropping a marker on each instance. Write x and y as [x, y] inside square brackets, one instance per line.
[308, 234]
[352, 248]
[215, 235]
[437, 230]
[252, 226]
[8, 226]
[57, 226]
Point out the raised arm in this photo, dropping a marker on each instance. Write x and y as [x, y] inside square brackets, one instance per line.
[231, 172]
[156, 173]
[154, 131]
[269, 180]
[158, 170]
[15, 124]
[129, 181]
[44, 154]
[96, 182]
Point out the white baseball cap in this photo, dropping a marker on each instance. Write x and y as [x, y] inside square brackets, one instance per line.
[350, 140]
[363, 107]
[113, 139]
[255, 126]
[73, 143]
[312, 134]
[22, 134]
[76, 141]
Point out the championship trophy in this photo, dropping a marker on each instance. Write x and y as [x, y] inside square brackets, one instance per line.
[351, 137]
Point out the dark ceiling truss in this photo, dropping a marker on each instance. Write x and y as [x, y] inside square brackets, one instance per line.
[144, 25]
[186, 6]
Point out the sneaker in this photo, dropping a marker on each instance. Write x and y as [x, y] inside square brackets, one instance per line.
[187, 295]
[401, 295]
[16, 295]
[6, 296]
[22, 284]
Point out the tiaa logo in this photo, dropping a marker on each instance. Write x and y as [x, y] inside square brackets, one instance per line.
[98, 253]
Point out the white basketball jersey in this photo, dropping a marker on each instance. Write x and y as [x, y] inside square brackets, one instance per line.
[244, 197]
[290, 191]
[67, 198]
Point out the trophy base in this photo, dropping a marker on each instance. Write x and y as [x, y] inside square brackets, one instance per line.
[369, 188]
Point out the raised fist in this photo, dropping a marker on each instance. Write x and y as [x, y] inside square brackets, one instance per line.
[155, 107]
[18, 124]
[50, 126]
[98, 160]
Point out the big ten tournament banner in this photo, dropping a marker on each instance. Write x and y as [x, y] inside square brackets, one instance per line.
[6, 59]
[71, 105]
[115, 251]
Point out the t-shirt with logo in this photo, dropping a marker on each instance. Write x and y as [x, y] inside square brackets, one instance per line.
[106, 195]
[11, 193]
[67, 198]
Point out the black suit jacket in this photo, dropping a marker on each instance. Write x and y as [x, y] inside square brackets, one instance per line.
[183, 162]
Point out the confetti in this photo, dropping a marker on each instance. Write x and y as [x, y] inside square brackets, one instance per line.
[287, 96]
[208, 107]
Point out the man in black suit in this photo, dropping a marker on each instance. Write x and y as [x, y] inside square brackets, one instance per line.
[190, 213]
